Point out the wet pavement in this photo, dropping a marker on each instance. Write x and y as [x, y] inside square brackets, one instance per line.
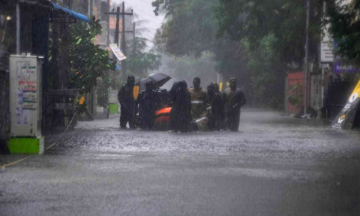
[275, 165]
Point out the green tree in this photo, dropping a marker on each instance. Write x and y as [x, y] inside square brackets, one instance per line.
[190, 32]
[345, 28]
[190, 27]
[76, 63]
[273, 34]
[87, 61]
[139, 61]
[285, 19]
[267, 74]
[255, 41]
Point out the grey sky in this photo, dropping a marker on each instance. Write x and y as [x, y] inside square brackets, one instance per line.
[144, 11]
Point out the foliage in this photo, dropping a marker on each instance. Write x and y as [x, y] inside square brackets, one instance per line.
[87, 61]
[190, 31]
[273, 35]
[344, 26]
[285, 19]
[266, 72]
[254, 40]
[190, 28]
[169, 6]
[141, 62]
[296, 94]
[231, 61]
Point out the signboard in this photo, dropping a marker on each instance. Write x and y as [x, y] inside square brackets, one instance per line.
[342, 65]
[26, 91]
[327, 44]
[327, 53]
[346, 117]
[327, 49]
[117, 52]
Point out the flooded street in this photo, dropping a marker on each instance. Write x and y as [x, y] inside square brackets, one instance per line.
[275, 165]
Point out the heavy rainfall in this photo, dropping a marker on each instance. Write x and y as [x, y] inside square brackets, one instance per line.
[179, 107]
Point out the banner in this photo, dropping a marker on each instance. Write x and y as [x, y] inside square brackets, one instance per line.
[345, 119]
[342, 65]
[117, 52]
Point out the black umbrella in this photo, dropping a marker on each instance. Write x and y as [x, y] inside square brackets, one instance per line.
[158, 79]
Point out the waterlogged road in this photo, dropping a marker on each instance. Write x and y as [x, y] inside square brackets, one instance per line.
[275, 165]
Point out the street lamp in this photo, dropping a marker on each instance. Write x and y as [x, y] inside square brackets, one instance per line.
[8, 18]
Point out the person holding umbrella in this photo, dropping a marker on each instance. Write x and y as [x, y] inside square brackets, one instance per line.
[127, 103]
[234, 99]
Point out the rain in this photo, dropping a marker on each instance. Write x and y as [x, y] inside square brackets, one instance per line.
[179, 107]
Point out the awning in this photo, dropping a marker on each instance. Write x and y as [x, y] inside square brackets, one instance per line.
[59, 13]
[78, 16]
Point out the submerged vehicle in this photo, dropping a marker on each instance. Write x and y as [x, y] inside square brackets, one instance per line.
[163, 106]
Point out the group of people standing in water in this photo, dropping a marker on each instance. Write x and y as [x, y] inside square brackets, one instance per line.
[191, 109]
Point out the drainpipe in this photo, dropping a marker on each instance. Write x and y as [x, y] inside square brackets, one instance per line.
[18, 29]
[307, 56]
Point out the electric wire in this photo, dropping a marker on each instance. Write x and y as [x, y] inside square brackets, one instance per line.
[53, 144]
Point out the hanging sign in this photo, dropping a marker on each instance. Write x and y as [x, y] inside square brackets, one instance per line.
[117, 52]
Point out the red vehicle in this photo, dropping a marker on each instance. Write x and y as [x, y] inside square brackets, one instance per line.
[162, 119]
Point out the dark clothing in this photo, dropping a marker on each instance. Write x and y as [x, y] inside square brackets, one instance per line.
[217, 111]
[234, 100]
[148, 104]
[174, 109]
[182, 107]
[180, 115]
[128, 106]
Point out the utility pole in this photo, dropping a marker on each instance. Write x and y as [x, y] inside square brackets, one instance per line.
[116, 40]
[91, 8]
[134, 46]
[123, 41]
[306, 55]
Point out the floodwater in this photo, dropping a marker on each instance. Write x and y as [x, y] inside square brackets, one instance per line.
[274, 165]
